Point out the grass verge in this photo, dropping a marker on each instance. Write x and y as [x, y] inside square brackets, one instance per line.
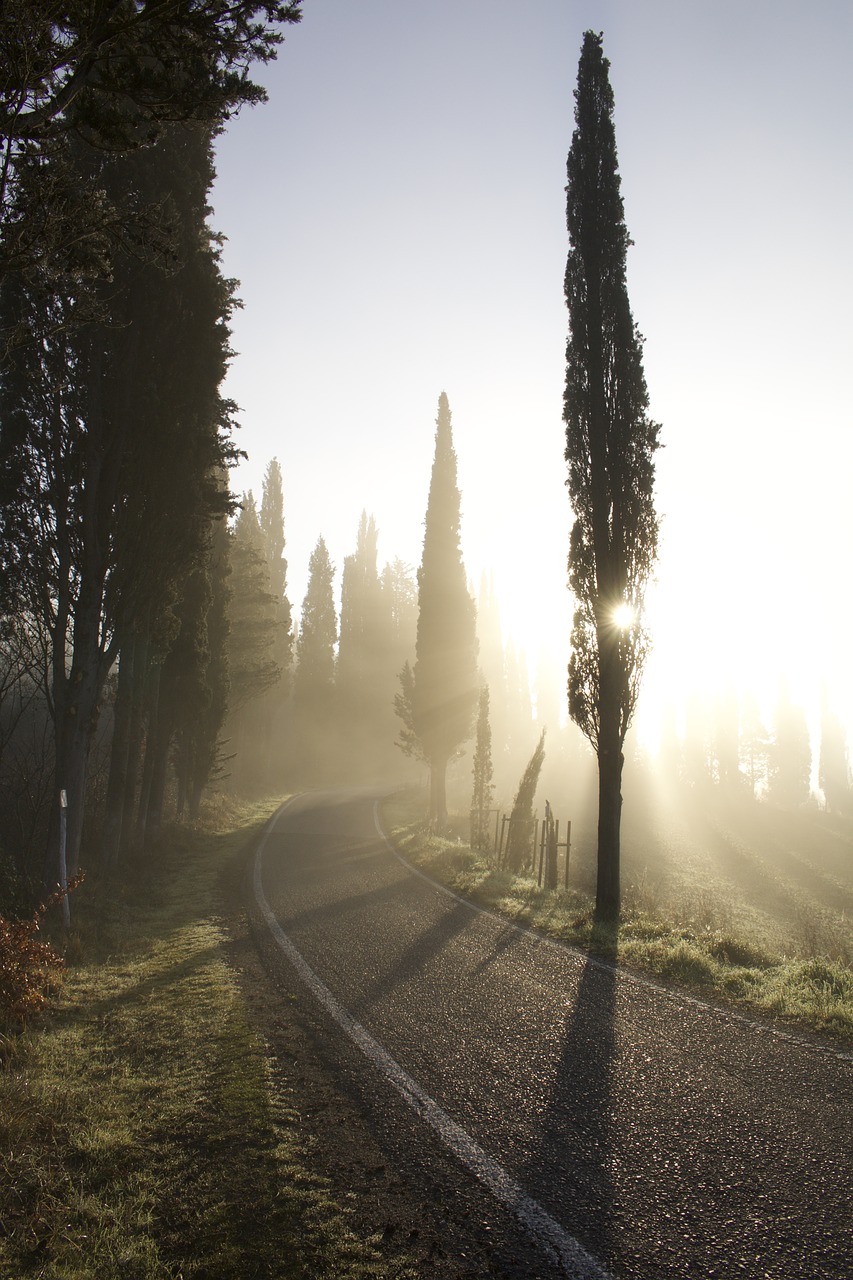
[815, 993]
[141, 1134]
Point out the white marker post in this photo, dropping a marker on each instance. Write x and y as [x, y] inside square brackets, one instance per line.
[63, 874]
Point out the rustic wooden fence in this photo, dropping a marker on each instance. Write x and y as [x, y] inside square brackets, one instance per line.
[548, 850]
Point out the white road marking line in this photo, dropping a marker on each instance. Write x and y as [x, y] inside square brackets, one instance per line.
[545, 1230]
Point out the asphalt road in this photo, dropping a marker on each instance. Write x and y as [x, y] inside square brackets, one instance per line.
[667, 1138]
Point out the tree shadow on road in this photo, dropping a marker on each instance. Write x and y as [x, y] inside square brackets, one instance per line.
[571, 1166]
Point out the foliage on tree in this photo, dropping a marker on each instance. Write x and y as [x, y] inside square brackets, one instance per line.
[610, 446]
[483, 790]
[314, 681]
[98, 532]
[519, 846]
[444, 687]
[272, 535]
[400, 597]
[407, 739]
[754, 746]
[253, 612]
[201, 716]
[361, 622]
[377, 633]
[109, 78]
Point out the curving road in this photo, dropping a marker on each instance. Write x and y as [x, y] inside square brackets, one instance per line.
[635, 1133]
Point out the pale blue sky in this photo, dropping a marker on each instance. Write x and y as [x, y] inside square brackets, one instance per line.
[395, 215]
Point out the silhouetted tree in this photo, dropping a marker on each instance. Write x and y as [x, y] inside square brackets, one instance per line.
[400, 592]
[754, 745]
[110, 78]
[790, 754]
[481, 798]
[314, 679]
[610, 445]
[274, 712]
[361, 625]
[444, 679]
[519, 846]
[407, 739]
[271, 522]
[199, 740]
[253, 613]
[112, 431]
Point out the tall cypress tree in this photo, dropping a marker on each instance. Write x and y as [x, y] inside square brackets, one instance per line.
[481, 797]
[271, 519]
[610, 446]
[444, 688]
[274, 717]
[253, 612]
[314, 681]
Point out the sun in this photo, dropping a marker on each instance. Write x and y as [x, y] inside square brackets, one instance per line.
[623, 616]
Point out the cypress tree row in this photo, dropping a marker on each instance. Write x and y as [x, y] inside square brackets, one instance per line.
[99, 535]
[610, 447]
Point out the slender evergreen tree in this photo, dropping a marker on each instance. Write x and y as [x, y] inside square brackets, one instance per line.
[271, 520]
[360, 622]
[610, 446]
[253, 610]
[444, 679]
[275, 714]
[314, 680]
[519, 847]
[481, 798]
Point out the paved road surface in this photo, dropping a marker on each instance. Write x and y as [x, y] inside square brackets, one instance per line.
[667, 1138]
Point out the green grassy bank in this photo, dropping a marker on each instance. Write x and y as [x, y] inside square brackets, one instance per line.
[142, 1130]
[813, 993]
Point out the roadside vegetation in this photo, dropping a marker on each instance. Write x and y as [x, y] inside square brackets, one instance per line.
[807, 987]
[142, 1130]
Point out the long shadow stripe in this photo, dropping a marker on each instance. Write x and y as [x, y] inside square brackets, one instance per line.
[544, 1229]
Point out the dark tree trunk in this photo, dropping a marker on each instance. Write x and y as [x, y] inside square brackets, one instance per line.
[134, 752]
[608, 890]
[75, 701]
[610, 761]
[162, 738]
[153, 701]
[119, 759]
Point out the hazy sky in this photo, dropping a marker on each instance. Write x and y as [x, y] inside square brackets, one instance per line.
[396, 218]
